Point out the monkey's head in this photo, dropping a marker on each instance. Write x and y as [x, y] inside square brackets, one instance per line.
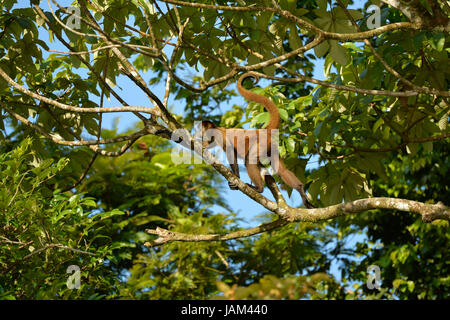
[204, 133]
[206, 124]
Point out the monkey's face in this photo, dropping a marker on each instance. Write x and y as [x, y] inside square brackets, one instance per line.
[206, 125]
[204, 133]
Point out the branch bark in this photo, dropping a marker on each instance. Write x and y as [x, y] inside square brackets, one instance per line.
[429, 212]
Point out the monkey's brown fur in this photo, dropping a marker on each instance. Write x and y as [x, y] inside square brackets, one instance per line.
[254, 149]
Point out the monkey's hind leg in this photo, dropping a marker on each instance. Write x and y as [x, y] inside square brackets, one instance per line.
[291, 180]
[253, 171]
[252, 164]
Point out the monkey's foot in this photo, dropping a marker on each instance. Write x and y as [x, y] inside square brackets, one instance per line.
[258, 189]
[308, 204]
[232, 186]
[305, 199]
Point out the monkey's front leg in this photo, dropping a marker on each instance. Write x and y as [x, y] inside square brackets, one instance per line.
[235, 169]
[232, 158]
[254, 172]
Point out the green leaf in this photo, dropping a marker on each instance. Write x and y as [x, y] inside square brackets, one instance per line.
[377, 124]
[261, 118]
[356, 14]
[427, 6]
[290, 145]
[411, 286]
[307, 101]
[338, 53]
[437, 41]
[283, 114]
[428, 146]
[294, 39]
[89, 203]
[305, 149]
[321, 49]
[322, 4]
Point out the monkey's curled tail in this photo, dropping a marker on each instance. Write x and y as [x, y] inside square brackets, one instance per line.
[265, 102]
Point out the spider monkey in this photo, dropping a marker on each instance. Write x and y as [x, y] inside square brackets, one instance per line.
[253, 145]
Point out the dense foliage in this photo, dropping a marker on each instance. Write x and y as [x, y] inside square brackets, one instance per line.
[76, 193]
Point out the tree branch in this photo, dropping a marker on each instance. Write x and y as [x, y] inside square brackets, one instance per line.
[165, 236]
[81, 142]
[429, 212]
[70, 108]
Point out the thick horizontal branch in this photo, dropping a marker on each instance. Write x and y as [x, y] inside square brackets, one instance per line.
[429, 212]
